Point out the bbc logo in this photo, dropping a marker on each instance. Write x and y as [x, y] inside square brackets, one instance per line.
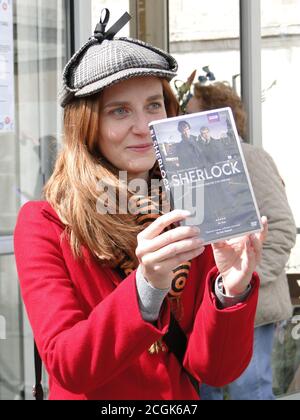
[2, 328]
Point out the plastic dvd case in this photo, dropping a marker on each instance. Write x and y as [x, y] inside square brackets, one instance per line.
[204, 171]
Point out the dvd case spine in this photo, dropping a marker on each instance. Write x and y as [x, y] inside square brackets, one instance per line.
[162, 167]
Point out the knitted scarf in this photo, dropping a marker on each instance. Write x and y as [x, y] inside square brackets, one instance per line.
[151, 208]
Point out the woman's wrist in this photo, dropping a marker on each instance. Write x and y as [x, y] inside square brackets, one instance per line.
[162, 283]
[227, 301]
[233, 292]
[237, 290]
[150, 298]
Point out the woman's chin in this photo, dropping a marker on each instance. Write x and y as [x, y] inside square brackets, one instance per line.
[141, 165]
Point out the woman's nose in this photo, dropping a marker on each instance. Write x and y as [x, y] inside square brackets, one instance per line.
[140, 124]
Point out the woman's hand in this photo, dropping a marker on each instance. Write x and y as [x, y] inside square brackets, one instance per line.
[237, 260]
[160, 253]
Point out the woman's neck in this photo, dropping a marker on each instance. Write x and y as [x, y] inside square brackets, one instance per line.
[144, 176]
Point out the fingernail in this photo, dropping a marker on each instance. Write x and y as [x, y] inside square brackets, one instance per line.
[186, 213]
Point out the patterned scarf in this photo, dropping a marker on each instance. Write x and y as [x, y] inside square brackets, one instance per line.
[151, 208]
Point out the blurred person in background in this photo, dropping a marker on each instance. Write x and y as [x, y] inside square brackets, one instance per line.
[274, 299]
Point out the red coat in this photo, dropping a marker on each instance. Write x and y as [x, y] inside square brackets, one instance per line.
[90, 333]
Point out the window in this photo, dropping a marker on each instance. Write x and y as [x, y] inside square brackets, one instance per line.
[206, 34]
[281, 92]
[11, 351]
[33, 50]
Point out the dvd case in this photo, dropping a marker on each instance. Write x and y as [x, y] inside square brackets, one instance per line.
[204, 171]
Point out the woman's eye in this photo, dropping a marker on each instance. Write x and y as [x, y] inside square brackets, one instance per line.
[155, 106]
[119, 112]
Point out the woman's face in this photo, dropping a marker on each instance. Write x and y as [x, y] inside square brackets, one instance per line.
[126, 110]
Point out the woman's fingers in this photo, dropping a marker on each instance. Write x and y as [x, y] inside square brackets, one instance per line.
[159, 225]
[167, 238]
[262, 236]
[257, 247]
[238, 243]
[172, 250]
[159, 252]
[170, 264]
[258, 240]
[219, 245]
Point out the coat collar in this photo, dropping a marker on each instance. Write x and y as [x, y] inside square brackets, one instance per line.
[49, 212]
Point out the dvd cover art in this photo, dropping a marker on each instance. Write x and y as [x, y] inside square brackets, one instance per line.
[204, 171]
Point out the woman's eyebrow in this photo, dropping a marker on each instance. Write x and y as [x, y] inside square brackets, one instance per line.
[155, 97]
[123, 103]
[116, 103]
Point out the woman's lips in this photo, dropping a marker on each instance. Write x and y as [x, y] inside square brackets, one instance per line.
[141, 148]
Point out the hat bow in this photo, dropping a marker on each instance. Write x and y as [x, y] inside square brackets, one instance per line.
[100, 32]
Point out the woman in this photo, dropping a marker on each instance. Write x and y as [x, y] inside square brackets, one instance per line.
[99, 286]
[274, 299]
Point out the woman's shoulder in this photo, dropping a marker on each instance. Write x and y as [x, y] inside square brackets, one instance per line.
[33, 206]
[30, 211]
[33, 213]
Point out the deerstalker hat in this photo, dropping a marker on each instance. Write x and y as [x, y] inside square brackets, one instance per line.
[105, 60]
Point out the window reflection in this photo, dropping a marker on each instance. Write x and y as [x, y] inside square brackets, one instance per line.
[11, 353]
[206, 34]
[286, 357]
[280, 68]
[281, 90]
[39, 47]
[26, 159]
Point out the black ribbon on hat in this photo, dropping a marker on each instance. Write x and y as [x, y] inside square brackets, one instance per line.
[100, 33]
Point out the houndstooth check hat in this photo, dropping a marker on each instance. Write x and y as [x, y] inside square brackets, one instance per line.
[105, 60]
